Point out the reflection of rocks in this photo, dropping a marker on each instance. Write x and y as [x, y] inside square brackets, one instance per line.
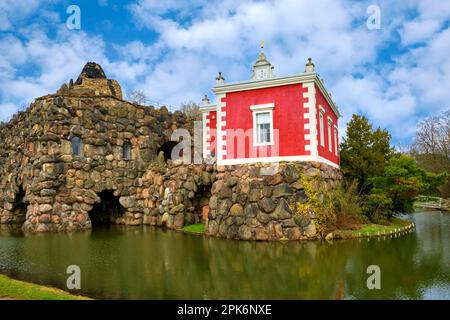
[265, 211]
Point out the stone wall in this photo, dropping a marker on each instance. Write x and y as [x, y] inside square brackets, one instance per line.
[49, 184]
[175, 195]
[38, 170]
[258, 202]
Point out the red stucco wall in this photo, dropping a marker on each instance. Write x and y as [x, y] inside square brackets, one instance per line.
[212, 125]
[324, 151]
[288, 118]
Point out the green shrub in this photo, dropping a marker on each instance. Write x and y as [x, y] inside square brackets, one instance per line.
[402, 182]
[378, 207]
[348, 204]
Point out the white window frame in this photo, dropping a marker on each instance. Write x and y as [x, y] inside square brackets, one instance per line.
[336, 141]
[262, 108]
[321, 125]
[330, 139]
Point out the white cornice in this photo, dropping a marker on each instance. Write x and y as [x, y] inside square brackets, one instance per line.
[208, 107]
[266, 106]
[275, 82]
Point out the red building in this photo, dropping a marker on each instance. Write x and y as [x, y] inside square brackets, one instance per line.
[270, 119]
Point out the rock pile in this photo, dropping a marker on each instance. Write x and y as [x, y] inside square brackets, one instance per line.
[67, 148]
[85, 147]
[255, 202]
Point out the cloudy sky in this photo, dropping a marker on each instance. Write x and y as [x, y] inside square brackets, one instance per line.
[172, 50]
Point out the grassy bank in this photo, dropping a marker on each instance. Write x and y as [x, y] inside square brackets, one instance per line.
[198, 228]
[373, 230]
[19, 290]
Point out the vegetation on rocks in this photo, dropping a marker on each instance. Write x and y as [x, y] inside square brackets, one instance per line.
[264, 202]
[319, 204]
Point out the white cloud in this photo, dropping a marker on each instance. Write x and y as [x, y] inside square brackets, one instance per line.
[418, 31]
[196, 39]
[227, 39]
[54, 61]
[15, 13]
[6, 110]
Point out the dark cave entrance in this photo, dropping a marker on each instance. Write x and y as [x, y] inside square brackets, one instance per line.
[167, 148]
[20, 205]
[198, 206]
[107, 211]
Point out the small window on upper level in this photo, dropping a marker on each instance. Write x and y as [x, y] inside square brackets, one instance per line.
[321, 126]
[126, 150]
[330, 139]
[77, 146]
[263, 124]
[336, 141]
[263, 128]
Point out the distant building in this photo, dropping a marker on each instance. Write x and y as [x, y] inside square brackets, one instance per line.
[270, 119]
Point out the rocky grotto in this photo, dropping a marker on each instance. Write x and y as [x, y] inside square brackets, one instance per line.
[84, 156]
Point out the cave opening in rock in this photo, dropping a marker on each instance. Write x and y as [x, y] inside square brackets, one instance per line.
[197, 205]
[107, 211]
[20, 205]
[167, 148]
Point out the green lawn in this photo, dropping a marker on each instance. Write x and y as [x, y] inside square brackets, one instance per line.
[195, 228]
[19, 290]
[372, 229]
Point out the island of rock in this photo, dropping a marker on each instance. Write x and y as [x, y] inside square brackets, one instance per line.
[84, 157]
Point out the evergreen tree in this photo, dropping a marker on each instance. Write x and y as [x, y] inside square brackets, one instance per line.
[364, 152]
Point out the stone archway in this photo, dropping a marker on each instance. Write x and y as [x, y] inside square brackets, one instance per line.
[20, 206]
[15, 211]
[199, 205]
[107, 211]
[167, 148]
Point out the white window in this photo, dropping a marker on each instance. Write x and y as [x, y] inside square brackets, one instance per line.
[321, 125]
[263, 124]
[263, 128]
[336, 142]
[330, 141]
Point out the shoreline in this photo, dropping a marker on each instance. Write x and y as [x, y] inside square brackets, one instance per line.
[397, 227]
[12, 289]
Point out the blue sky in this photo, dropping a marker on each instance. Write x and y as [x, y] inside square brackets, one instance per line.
[172, 50]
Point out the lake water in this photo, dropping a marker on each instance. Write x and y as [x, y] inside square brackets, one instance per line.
[119, 262]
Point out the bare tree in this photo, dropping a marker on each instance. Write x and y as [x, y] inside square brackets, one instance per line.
[137, 97]
[431, 146]
[427, 136]
[444, 133]
[192, 110]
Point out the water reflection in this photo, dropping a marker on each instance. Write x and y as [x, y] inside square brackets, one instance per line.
[150, 263]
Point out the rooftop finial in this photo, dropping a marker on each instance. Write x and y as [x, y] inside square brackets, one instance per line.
[206, 100]
[309, 67]
[220, 78]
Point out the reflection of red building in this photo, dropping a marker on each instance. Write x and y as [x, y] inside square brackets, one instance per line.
[269, 119]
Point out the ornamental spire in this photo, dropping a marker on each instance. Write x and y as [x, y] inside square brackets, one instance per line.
[220, 78]
[309, 67]
[262, 68]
